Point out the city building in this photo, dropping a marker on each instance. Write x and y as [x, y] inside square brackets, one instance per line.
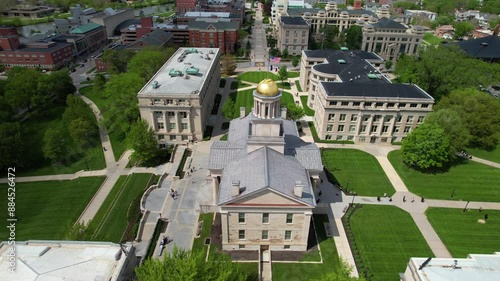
[182, 6]
[132, 30]
[185, 18]
[410, 15]
[293, 35]
[265, 178]
[353, 101]
[87, 38]
[390, 39]
[110, 19]
[43, 54]
[78, 17]
[68, 260]
[26, 11]
[178, 100]
[444, 31]
[100, 65]
[157, 38]
[474, 267]
[484, 48]
[214, 33]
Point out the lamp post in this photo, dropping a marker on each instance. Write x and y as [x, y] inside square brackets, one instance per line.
[353, 196]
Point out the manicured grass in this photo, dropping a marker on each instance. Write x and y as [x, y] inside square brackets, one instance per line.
[257, 76]
[307, 109]
[165, 14]
[242, 85]
[284, 85]
[433, 40]
[198, 243]
[473, 181]
[47, 210]
[308, 271]
[293, 74]
[112, 218]
[365, 175]
[387, 238]
[244, 98]
[116, 137]
[463, 234]
[77, 158]
[492, 155]
[297, 83]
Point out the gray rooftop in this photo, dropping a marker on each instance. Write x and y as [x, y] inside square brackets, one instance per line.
[375, 90]
[388, 23]
[172, 78]
[216, 23]
[294, 21]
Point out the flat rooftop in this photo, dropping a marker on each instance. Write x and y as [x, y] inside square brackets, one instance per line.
[183, 74]
[375, 90]
[474, 267]
[63, 260]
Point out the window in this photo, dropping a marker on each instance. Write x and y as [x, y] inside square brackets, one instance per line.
[170, 102]
[362, 138]
[339, 137]
[289, 218]
[354, 117]
[425, 105]
[265, 218]
[368, 104]
[331, 117]
[161, 126]
[407, 129]
[288, 234]
[172, 126]
[183, 114]
[385, 129]
[328, 137]
[413, 105]
[377, 118]
[161, 137]
[399, 118]
[345, 103]
[341, 128]
[342, 117]
[383, 140]
[173, 137]
[363, 128]
[396, 129]
[409, 119]
[402, 105]
[350, 138]
[170, 114]
[356, 103]
[184, 126]
[241, 246]
[329, 128]
[265, 234]
[374, 128]
[391, 104]
[241, 218]
[158, 114]
[352, 128]
[286, 247]
[241, 234]
[333, 103]
[379, 104]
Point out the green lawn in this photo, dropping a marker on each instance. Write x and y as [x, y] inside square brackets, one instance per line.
[307, 109]
[257, 76]
[297, 83]
[433, 40]
[198, 243]
[307, 271]
[77, 158]
[47, 210]
[473, 181]
[252, 268]
[245, 99]
[492, 155]
[284, 85]
[387, 238]
[365, 175]
[293, 74]
[461, 232]
[116, 137]
[112, 218]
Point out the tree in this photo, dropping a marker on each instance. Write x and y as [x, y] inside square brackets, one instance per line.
[242, 34]
[426, 148]
[294, 112]
[54, 145]
[283, 73]
[406, 5]
[183, 265]
[480, 112]
[454, 127]
[58, 84]
[142, 140]
[117, 60]
[76, 108]
[11, 145]
[330, 33]
[285, 53]
[229, 109]
[81, 130]
[388, 64]
[147, 62]
[99, 82]
[441, 20]
[342, 272]
[295, 61]
[354, 37]
[463, 29]
[228, 66]
[22, 85]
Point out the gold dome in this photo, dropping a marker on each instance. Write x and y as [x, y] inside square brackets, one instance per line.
[267, 88]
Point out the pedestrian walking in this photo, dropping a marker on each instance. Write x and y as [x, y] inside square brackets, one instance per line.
[412, 199]
[404, 198]
[480, 209]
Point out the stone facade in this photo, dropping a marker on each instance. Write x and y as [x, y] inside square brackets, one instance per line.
[293, 34]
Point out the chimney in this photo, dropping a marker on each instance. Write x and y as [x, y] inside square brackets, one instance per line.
[297, 190]
[242, 112]
[235, 188]
[283, 112]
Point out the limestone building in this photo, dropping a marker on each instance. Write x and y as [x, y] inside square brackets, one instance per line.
[178, 100]
[353, 101]
[293, 34]
[265, 178]
[389, 38]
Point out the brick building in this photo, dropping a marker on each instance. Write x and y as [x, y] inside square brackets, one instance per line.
[213, 34]
[44, 55]
[182, 6]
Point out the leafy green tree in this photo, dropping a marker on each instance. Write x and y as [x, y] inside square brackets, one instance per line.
[229, 109]
[117, 60]
[186, 266]
[99, 82]
[454, 127]
[228, 66]
[283, 73]
[295, 61]
[442, 20]
[11, 145]
[480, 112]
[54, 145]
[406, 5]
[342, 272]
[242, 34]
[81, 130]
[58, 84]
[147, 62]
[463, 29]
[388, 64]
[354, 37]
[294, 112]
[142, 140]
[491, 6]
[285, 53]
[22, 85]
[330, 33]
[426, 148]
[76, 108]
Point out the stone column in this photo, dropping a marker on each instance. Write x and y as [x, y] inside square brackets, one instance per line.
[189, 121]
[381, 126]
[391, 126]
[358, 124]
[225, 227]
[153, 122]
[370, 123]
[176, 121]
[305, 229]
[167, 122]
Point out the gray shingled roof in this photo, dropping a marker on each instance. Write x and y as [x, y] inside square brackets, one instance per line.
[262, 169]
[387, 23]
[219, 25]
[223, 152]
[156, 37]
[293, 21]
[374, 90]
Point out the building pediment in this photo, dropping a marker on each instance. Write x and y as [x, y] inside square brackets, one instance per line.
[266, 198]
